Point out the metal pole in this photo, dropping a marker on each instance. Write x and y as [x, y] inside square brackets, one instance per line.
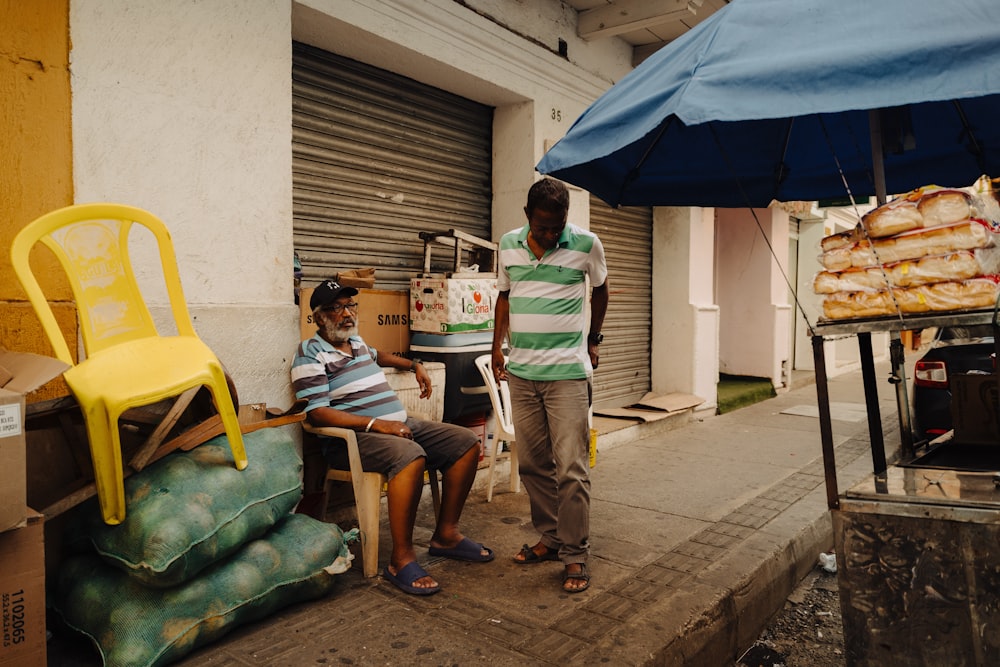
[871, 401]
[897, 355]
[825, 424]
[878, 164]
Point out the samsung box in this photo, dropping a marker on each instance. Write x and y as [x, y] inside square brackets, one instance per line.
[22, 594]
[452, 305]
[20, 373]
[383, 318]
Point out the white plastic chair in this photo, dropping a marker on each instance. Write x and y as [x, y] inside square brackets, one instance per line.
[367, 492]
[504, 431]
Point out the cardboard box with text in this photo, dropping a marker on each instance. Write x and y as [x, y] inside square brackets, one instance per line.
[452, 305]
[22, 594]
[383, 318]
[20, 373]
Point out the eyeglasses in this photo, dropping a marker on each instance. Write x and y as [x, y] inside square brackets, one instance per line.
[339, 307]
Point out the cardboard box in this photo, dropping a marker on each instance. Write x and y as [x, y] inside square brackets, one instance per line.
[20, 374]
[452, 305]
[22, 594]
[383, 319]
[974, 410]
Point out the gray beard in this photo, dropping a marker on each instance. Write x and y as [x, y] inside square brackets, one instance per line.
[337, 335]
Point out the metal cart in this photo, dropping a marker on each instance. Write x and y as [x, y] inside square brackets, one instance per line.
[917, 546]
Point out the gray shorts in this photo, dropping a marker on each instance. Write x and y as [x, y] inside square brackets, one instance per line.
[440, 443]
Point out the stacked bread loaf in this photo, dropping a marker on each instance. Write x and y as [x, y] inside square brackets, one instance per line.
[928, 251]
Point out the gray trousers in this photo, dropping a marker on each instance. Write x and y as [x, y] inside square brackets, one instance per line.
[553, 434]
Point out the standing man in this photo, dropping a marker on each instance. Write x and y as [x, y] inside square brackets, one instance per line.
[544, 269]
[342, 379]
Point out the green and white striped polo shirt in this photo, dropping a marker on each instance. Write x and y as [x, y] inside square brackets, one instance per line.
[548, 297]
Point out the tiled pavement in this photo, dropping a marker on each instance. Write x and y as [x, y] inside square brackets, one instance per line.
[700, 530]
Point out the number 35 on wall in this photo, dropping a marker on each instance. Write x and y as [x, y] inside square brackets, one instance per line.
[556, 115]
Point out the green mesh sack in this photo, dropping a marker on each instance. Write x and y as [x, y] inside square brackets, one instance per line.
[190, 509]
[135, 626]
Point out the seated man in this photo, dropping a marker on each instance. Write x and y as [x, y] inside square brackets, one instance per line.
[341, 378]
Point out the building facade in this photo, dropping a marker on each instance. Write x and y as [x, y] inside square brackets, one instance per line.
[216, 117]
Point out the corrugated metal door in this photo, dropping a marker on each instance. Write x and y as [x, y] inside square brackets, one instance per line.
[376, 159]
[627, 233]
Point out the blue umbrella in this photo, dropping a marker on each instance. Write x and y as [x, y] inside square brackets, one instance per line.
[780, 100]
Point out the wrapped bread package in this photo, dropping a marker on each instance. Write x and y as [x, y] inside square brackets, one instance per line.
[895, 217]
[954, 266]
[966, 235]
[837, 259]
[943, 207]
[937, 297]
[840, 240]
[925, 207]
[931, 250]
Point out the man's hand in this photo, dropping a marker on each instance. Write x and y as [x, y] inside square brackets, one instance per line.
[595, 353]
[423, 380]
[398, 429]
[499, 366]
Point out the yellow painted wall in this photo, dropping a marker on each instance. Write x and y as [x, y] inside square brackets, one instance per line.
[36, 162]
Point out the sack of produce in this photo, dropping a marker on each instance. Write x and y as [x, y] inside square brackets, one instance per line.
[190, 509]
[135, 626]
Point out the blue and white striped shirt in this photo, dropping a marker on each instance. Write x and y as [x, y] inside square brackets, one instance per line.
[354, 383]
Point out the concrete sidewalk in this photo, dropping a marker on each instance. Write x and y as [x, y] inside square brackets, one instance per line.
[699, 532]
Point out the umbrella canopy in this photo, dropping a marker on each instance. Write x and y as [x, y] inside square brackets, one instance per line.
[770, 99]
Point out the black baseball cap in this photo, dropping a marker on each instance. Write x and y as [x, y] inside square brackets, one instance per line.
[327, 292]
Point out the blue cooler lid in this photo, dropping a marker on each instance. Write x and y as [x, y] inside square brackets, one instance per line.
[468, 339]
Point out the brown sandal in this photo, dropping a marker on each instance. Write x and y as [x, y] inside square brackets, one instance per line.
[582, 575]
[529, 557]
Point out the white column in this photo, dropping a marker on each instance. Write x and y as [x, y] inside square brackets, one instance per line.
[685, 344]
[752, 292]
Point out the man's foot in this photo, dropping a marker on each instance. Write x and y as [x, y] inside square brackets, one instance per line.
[464, 549]
[535, 554]
[576, 579]
[412, 579]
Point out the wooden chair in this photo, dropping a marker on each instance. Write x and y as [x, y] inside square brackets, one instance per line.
[367, 492]
[504, 429]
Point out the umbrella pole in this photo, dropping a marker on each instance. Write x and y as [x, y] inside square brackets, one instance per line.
[878, 166]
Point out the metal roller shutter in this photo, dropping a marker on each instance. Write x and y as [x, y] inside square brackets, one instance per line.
[622, 377]
[376, 159]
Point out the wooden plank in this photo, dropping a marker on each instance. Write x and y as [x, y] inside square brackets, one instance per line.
[148, 448]
[69, 502]
[213, 427]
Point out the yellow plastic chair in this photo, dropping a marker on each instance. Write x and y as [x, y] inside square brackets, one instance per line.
[128, 363]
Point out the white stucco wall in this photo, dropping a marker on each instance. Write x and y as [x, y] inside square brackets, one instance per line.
[184, 108]
[752, 292]
[685, 317]
[548, 22]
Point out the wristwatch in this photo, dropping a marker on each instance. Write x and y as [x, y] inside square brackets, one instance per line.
[595, 338]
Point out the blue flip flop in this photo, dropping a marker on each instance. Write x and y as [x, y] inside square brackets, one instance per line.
[403, 580]
[464, 550]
